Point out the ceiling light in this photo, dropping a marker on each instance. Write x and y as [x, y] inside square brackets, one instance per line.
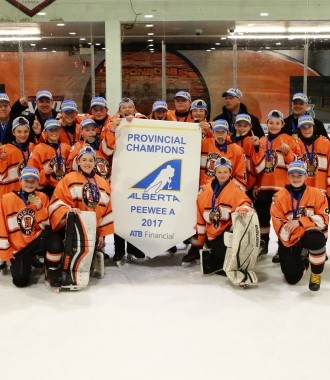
[208, 49]
[151, 40]
[148, 16]
[60, 24]
[19, 30]
[223, 38]
[53, 51]
[151, 34]
[41, 13]
[279, 36]
[32, 44]
[44, 48]
[72, 33]
[264, 14]
[261, 29]
[98, 44]
[212, 48]
[82, 39]
[9, 39]
[151, 45]
[278, 43]
[149, 25]
[218, 43]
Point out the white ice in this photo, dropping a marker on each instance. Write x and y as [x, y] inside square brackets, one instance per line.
[161, 321]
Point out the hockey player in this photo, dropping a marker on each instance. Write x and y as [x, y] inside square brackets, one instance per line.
[182, 102]
[300, 219]
[24, 227]
[219, 145]
[70, 132]
[14, 156]
[81, 191]
[50, 157]
[245, 138]
[199, 113]
[276, 151]
[159, 110]
[315, 153]
[215, 203]
[99, 112]
[91, 138]
[299, 108]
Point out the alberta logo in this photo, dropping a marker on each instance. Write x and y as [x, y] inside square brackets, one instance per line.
[166, 177]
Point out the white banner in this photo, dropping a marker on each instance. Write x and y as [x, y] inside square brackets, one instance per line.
[154, 183]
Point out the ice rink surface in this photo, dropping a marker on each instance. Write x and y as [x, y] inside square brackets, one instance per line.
[161, 321]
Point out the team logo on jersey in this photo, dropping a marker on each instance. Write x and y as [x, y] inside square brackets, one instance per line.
[166, 177]
[214, 217]
[210, 161]
[58, 170]
[102, 167]
[91, 195]
[311, 163]
[270, 161]
[25, 220]
[301, 212]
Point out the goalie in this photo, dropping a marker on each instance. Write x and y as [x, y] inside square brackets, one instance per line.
[216, 203]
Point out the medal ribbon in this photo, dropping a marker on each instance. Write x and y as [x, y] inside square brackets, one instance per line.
[94, 191]
[268, 150]
[72, 142]
[295, 210]
[309, 155]
[22, 196]
[216, 192]
[222, 148]
[19, 146]
[58, 157]
[294, 127]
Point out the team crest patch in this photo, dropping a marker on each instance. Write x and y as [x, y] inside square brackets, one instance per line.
[311, 164]
[210, 161]
[25, 221]
[102, 167]
[270, 161]
[88, 190]
[58, 170]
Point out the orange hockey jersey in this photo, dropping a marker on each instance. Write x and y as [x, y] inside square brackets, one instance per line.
[20, 223]
[103, 167]
[11, 167]
[74, 191]
[271, 164]
[210, 153]
[317, 159]
[312, 213]
[173, 116]
[249, 151]
[229, 200]
[44, 156]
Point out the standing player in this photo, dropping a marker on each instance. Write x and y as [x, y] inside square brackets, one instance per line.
[182, 102]
[300, 219]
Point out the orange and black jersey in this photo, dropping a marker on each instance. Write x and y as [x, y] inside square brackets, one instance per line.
[76, 190]
[215, 205]
[310, 208]
[315, 152]
[20, 222]
[184, 117]
[16, 158]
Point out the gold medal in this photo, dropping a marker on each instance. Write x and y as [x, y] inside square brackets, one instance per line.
[91, 140]
[310, 168]
[213, 214]
[31, 197]
[295, 136]
[268, 164]
[59, 173]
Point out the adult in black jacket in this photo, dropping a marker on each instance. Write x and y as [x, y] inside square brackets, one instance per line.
[233, 107]
[299, 108]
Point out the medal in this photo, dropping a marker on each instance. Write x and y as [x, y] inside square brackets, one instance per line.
[59, 173]
[31, 197]
[90, 140]
[268, 164]
[94, 205]
[213, 214]
[295, 136]
[310, 168]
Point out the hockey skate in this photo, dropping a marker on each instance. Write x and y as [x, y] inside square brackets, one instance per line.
[206, 268]
[315, 282]
[137, 258]
[172, 250]
[263, 250]
[192, 258]
[276, 258]
[53, 279]
[97, 268]
[119, 258]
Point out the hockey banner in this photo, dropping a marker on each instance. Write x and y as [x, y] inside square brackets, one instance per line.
[155, 178]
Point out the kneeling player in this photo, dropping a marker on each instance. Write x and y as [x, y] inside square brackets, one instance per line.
[24, 227]
[300, 219]
[215, 204]
[80, 191]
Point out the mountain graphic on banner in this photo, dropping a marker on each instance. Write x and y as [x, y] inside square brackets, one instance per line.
[166, 177]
